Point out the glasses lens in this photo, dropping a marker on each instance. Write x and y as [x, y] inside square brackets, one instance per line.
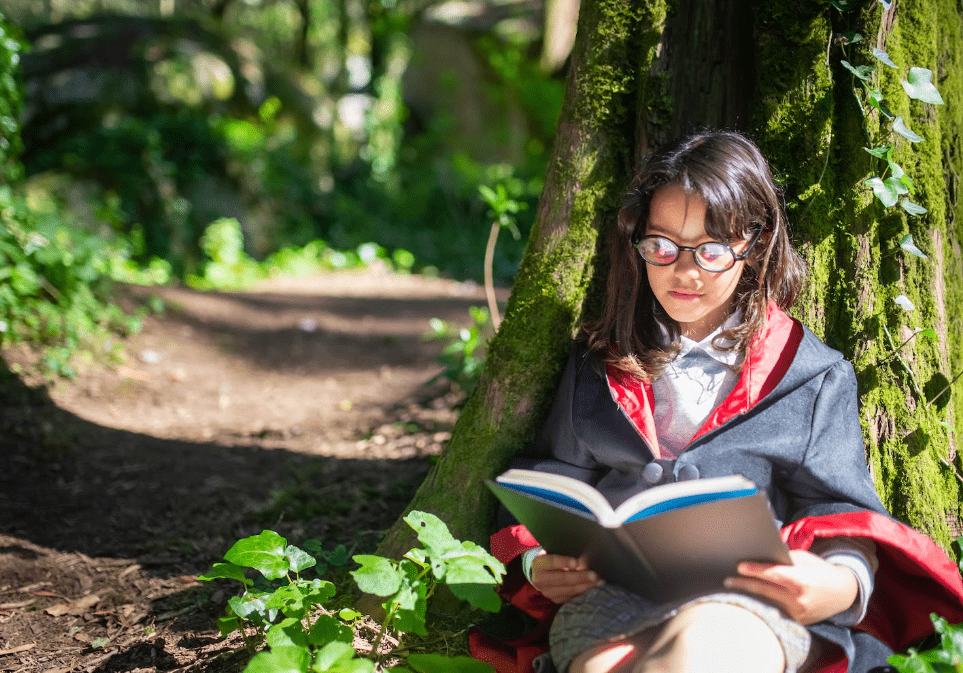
[657, 250]
[714, 256]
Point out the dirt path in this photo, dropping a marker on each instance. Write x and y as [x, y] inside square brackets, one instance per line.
[299, 406]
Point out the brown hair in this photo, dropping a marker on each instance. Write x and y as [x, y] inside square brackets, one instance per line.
[729, 172]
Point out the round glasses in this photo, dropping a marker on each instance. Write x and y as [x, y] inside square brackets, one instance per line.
[713, 256]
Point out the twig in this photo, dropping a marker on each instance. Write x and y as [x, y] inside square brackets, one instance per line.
[489, 276]
[945, 388]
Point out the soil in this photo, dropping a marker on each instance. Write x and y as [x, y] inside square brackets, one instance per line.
[304, 406]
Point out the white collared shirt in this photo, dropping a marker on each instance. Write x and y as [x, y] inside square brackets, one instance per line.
[696, 381]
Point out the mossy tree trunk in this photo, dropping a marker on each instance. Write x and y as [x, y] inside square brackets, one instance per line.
[640, 75]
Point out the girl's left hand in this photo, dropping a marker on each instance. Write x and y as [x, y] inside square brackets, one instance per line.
[810, 590]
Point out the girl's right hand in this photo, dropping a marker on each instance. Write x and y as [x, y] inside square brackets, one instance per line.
[562, 578]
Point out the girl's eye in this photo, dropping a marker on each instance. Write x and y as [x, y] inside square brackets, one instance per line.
[714, 254]
[660, 250]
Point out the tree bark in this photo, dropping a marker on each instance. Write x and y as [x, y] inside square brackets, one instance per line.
[771, 68]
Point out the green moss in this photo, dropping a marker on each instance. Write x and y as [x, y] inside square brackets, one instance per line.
[811, 127]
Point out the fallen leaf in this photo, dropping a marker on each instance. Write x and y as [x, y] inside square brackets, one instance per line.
[15, 650]
[77, 607]
[14, 606]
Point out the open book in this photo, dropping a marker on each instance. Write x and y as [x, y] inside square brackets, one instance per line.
[668, 542]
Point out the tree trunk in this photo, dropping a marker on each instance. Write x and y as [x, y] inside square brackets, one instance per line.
[771, 68]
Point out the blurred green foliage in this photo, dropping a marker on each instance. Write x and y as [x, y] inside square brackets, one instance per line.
[215, 142]
[297, 134]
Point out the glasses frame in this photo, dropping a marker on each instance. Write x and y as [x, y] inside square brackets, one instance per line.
[679, 248]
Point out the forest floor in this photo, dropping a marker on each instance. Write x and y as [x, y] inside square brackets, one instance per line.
[303, 406]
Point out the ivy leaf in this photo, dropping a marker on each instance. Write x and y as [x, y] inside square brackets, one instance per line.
[252, 607]
[884, 58]
[328, 629]
[899, 174]
[228, 625]
[883, 191]
[881, 152]
[299, 559]
[264, 552]
[287, 633]
[437, 663]
[917, 85]
[906, 243]
[863, 72]
[876, 100]
[912, 208]
[227, 571]
[339, 657]
[432, 532]
[929, 333]
[280, 660]
[901, 128]
[850, 37]
[904, 303]
[410, 602]
[377, 575]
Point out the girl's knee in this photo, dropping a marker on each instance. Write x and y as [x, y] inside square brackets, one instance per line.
[712, 638]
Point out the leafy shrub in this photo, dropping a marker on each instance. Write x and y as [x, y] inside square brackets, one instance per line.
[464, 355]
[290, 612]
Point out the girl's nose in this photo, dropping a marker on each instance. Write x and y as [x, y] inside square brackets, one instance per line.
[685, 265]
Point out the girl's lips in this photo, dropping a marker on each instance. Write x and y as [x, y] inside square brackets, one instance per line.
[683, 295]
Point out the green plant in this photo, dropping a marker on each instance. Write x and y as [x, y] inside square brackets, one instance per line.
[503, 210]
[288, 612]
[464, 355]
[946, 657]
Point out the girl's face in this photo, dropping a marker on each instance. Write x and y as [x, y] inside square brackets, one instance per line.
[699, 300]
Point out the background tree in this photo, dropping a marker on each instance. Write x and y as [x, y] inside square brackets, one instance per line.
[641, 74]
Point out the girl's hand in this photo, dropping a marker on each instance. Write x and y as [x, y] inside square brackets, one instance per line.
[561, 578]
[809, 591]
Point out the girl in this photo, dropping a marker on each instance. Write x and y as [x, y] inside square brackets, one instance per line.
[695, 370]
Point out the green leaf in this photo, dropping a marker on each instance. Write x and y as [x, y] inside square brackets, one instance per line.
[338, 557]
[912, 208]
[883, 57]
[904, 303]
[228, 625]
[97, 643]
[876, 100]
[280, 660]
[340, 658]
[327, 629]
[897, 184]
[906, 243]
[881, 152]
[929, 333]
[437, 663]
[225, 571]
[411, 602]
[298, 559]
[884, 191]
[951, 638]
[289, 600]
[287, 633]
[377, 575]
[252, 607]
[918, 86]
[432, 532]
[863, 72]
[850, 37]
[901, 128]
[264, 552]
